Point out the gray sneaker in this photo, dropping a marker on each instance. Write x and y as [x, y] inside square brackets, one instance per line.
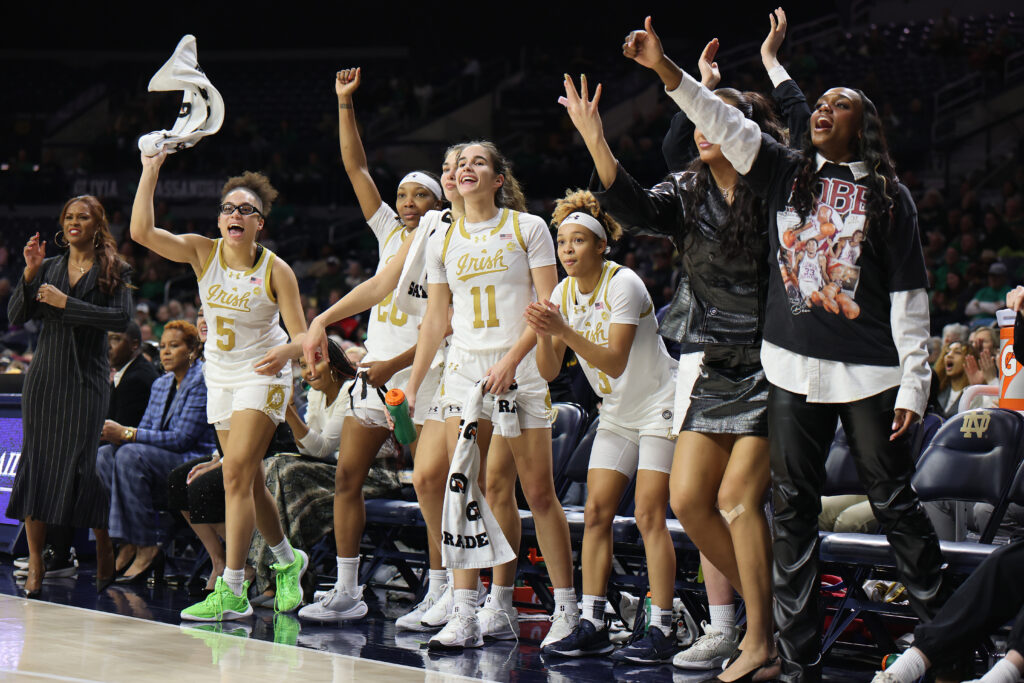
[709, 651]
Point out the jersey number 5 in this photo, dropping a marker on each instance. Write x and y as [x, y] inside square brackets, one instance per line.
[492, 308]
[226, 335]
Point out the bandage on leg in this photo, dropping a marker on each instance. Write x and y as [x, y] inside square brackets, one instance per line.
[731, 515]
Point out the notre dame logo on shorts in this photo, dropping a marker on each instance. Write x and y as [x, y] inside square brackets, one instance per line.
[275, 398]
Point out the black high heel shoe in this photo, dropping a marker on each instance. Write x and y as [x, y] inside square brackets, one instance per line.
[155, 570]
[748, 677]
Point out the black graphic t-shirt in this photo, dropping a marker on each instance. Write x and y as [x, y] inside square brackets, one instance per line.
[831, 274]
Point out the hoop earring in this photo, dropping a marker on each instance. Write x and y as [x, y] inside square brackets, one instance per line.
[57, 239]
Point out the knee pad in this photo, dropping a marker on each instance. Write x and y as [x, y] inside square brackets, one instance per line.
[731, 515]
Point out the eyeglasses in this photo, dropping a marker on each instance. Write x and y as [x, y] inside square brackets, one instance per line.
[227, 209]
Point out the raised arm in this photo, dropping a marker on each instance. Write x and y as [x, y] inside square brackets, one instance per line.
[790, 98]
[720, 123]
[190, 249]
[353, 156]
[677, 147]
[22, 305]
[585, 116]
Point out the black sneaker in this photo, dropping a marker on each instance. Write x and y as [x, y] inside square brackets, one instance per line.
[654, 648]
[585, 641]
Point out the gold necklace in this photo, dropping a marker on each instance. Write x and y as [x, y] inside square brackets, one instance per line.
[726, 191]
[81, 270]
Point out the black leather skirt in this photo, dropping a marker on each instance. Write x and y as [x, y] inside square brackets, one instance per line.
[731, 394]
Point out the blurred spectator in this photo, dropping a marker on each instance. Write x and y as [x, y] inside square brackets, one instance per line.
[132, 376]
[986, 301]
[952, 373]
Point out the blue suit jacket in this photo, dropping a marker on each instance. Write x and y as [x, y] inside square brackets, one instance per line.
[185, 430]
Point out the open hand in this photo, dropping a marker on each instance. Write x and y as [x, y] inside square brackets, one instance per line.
[347, 82]
[202, 468]
[973, 370]
[776, 34]
[643, 46]
[583, 110]
[710, 76]
[1014, 298]
[34, 253]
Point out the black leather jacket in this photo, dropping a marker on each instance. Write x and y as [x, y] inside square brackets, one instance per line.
[719, 300]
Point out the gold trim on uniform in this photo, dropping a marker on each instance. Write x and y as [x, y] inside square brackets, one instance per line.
[209, 258]
[270, 272]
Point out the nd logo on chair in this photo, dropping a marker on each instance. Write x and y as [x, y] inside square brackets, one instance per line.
[975, 424]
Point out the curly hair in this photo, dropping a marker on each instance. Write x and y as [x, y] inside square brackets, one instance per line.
[940, 363]
[584, 200]
[189, 332]
[881, 181]
[256, 183]
[510, 194]
[113, 268]
[743, 234]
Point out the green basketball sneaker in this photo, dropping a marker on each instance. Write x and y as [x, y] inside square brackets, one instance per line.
[289, 582]
[220, 605]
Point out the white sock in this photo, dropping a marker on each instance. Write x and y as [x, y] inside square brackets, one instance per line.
[501, 596]
[1002, 672]
[465, 600]
[908, 667]
[348, 570]
[661, 619]
[723, 617]
[234, 578]
[565, 601]
[437, 580]
[593, 609]
[283, 552]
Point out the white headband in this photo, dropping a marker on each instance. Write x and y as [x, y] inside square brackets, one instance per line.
[424, 180]
[587, 221]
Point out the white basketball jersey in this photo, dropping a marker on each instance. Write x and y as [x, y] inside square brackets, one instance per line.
[242, 317]
[391, 331]
[647, 385]
[487, 266]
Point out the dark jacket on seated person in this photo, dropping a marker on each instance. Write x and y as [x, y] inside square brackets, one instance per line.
[130, 395]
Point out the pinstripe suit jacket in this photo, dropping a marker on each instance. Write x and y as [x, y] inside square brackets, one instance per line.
[66, 396]
[185, 429]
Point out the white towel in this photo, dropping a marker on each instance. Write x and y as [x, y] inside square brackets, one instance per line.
[505, 415]
[202, 107]
[470, 535]
[412, 283]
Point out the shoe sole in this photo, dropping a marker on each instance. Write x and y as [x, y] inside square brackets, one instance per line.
[226, 615]
[357, 612]
[302, 572]
[578, 653]
[507, 635]
[638, 660]
[437, 646]
[704, 665]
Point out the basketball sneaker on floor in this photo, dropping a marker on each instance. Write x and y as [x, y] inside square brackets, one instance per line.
[461, 631]
[220, 605]
[336, 605]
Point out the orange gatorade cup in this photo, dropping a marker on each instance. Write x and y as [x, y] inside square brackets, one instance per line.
[1011, 395]
[405, 430]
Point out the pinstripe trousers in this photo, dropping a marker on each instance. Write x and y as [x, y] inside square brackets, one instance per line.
[136, 476]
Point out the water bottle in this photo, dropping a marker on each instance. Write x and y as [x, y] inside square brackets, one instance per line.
[647, 611]
[398, 407]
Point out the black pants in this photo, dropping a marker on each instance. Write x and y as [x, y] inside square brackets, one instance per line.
[987, 599]
[800, 434]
